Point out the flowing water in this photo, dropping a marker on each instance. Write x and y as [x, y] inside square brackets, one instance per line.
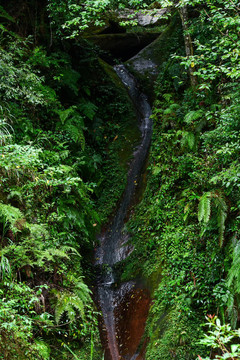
[117, 303]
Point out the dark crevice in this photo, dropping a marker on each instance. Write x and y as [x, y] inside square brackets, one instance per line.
[121, 46]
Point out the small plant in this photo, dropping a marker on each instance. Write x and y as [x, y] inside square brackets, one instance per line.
[220, 337]
[5, 132]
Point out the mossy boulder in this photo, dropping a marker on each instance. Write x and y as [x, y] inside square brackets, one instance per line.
[116, 21]
[150, 61]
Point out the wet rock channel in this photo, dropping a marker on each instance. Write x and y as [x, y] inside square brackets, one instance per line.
[124, 308]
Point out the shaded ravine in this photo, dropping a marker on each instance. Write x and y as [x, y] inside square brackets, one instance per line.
[112, 248]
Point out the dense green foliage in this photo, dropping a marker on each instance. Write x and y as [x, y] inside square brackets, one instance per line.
[46, 212]
[71, 18]
[221, 337]
[186, 229]
[67, 131]
[60, 129]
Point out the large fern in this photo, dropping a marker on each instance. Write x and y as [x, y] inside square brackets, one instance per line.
[71, 301]
[192, 116]
[82, 291]
[232, 309]
[36, 250]
[188, 139]
[9, 215]
[204, 211]
[72, 123]
[88, 109]
[64, 114]
[52, 254]
[171, 109]
[76, 132]
[68, 303]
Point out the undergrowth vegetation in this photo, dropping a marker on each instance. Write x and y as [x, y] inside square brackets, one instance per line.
[186, 230]
[67, 132]
[63, 126]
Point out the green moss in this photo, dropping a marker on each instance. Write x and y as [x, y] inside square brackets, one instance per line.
[151, 30]
[163, 46]
[122, 137]
[173, 336]
[129, 133]
[154, 279]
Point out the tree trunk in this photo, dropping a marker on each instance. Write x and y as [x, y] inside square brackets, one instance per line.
[188, 44]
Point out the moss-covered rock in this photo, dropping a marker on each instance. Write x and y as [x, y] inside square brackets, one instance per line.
[172, 335]
[121, 136]
[129, 133]
[149, 62]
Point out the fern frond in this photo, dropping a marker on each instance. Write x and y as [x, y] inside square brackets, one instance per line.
[68, 302]
[221, 215]
[76, 133]
[204, 208]
[82, 291]
[171, 109]
[88, 109]
[188, 139]
[192, 116]
[167, 97]
[71, 301]
[72, 122]
[204, 211]
[74, 217]
[10, 214]
[232, 310]
[52, 252]
[5, 132]
[49, 255]
[64, 114]
[70, 249]
[221, 224]
[191, 140]
[43, 349]
[234, 271]
[77, 303]
[60, 307]
[5, 267]
[4, 14]
[15, 194]
[38, 231]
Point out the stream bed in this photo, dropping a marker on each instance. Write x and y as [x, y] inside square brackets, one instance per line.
[124, 308]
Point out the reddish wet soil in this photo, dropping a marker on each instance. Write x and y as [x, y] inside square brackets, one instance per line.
[131, 316]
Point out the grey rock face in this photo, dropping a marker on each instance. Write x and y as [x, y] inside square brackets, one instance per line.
[150, 17]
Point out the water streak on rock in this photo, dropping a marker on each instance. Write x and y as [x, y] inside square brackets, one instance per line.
[114, 245]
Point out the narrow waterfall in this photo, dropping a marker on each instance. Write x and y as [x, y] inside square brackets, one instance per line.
[114, 242]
